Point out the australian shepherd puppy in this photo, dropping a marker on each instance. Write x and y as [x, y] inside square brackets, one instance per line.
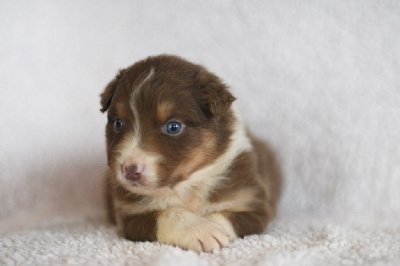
[183, 168]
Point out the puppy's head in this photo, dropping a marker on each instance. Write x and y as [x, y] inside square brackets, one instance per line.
[167, 118]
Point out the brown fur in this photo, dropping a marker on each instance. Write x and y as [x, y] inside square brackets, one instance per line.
[145, 97]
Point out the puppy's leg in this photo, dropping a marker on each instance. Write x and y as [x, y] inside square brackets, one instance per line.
[247, 223]
[138, 227]
[187, 230]
[239, 224]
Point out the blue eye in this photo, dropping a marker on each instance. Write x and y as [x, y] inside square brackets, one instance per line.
[118, 125]
[173, 128]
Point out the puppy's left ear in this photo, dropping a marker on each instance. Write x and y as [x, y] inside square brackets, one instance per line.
[216, 98]
[109, 92]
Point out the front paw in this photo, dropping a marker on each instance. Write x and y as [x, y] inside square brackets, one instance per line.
[205, 236]
[189, 231]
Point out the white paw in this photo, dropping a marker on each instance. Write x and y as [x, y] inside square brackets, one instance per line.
[205, 236]
[189, 231]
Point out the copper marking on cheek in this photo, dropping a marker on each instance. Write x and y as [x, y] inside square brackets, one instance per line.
[199, 157]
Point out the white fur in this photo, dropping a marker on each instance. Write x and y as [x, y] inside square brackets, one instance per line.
[238, 202]
[181, 228]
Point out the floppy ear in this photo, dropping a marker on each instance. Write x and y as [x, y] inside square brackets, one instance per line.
[108, 93]
[216, 98]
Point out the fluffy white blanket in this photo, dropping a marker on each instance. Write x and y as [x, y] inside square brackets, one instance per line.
[320, 80]
[293, 241]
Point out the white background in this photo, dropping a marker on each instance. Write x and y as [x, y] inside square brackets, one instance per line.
[319, 80]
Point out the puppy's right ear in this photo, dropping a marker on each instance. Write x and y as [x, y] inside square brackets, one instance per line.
[109, 91]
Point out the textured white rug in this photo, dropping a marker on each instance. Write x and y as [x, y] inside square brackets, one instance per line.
[320, 80]
[287, 242]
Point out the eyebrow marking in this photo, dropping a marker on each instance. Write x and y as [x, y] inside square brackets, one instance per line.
[164, 110]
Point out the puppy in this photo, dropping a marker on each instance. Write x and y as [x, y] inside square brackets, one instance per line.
[183, 169]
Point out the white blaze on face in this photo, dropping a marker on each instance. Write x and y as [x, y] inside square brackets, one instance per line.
[136, 90]
[132, 154]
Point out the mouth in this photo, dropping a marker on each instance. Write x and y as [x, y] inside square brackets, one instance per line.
[141, 187]
[132, 183]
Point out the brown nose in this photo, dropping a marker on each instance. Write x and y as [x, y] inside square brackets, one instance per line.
[131, 172]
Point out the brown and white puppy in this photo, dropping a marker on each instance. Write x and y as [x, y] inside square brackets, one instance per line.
[183, 169]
